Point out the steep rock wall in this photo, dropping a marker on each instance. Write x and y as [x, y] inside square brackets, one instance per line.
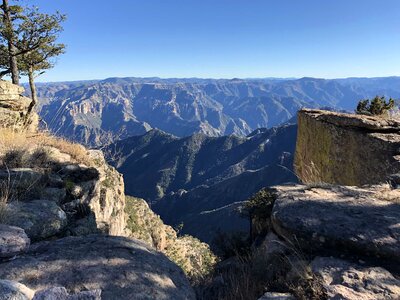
[346, 149]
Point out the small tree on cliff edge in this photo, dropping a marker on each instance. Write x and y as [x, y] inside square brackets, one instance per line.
[377, 106]
[258, 209]
[33, 39]
[42, 29]
[8, 15]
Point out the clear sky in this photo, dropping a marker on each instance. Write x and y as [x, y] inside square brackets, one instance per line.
[227, 38]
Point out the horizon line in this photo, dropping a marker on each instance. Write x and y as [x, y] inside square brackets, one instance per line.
[212, 78]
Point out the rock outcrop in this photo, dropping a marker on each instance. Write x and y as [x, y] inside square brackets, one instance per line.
[121, 268]
[14, 108]
[346, 149]
[62, 196]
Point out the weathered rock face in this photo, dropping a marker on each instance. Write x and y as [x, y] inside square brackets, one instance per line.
[361, 221]
[108, 198]
[349, 281]
[13, 241]
[346, 149]
[14, 108]
[121, 268]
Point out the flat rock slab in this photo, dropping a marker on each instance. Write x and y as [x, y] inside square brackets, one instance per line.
[349, 281]
[13, 241]
[121, 268]
[362, 221]
[40, 219]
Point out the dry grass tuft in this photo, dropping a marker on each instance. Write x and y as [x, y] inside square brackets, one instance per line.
[311, 175]
[21, 148]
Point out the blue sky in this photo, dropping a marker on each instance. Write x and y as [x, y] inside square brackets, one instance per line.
[227, 38]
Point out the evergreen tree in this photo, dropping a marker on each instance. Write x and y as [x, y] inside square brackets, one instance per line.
[377, 106]
[42, 30]
[33, 37]
[9, 15]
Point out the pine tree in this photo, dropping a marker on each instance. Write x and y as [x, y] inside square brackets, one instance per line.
[42, 30]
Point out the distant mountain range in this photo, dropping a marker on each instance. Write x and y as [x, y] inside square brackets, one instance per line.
[100, 112]
[200, 180]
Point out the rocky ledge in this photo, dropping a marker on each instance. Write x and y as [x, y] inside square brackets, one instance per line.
[346, 149]
[346, 238]
[361, 221]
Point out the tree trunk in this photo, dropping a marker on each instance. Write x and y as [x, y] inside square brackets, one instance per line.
[10, 39]
[33, 90]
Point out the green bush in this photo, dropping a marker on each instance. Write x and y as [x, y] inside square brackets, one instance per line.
[258, 209]
[376, 107]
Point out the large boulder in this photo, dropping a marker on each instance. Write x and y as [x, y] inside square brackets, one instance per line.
[361, 221]
[121, 268]
[349, 281]
[13, 241]
[11, 290]
[40, 219]
[346, 149]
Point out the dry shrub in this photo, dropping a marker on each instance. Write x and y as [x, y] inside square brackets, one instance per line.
[235, 283]
[245, 277]
[243, 284]
[15, 158]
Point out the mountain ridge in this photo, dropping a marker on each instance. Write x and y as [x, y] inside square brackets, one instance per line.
[97, 113]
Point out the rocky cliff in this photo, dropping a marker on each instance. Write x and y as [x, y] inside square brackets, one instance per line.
[54, 188]
[14, 108]
[346, 149]
[62, 215]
